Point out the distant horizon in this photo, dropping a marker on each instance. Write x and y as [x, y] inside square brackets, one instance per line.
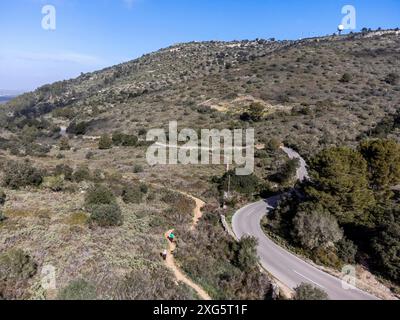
[91, 36]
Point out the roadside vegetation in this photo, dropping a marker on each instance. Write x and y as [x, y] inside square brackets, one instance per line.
[349, 210]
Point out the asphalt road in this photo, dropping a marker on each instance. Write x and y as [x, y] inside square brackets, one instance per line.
[284, 266]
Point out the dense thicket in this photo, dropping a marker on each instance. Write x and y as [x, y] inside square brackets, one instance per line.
[348, 209]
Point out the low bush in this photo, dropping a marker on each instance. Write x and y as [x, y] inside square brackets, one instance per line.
[54, 183]
[21, 174]
[106, 215]
[392, 78]
[125, 140]
[287, 173]
[132, 195]
[245, 253]
[64, 144]
[99, 194]
[81, 174]
[346, 78]
[347, 251]
[16, 268]
[78, 290]
[144, 188]
[78, 129]
[247, 185]
[137, 168]
[306, 291]
[105, 142]
[64, 170]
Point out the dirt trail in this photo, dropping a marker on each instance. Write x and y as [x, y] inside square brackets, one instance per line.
[179, 275]
[197, 214]
[170, 261]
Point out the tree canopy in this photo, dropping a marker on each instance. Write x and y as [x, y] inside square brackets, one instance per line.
[340, 183]
[383, 158]
[315, 227]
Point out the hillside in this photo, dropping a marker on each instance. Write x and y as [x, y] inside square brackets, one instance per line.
[298, 83]
[309, 94]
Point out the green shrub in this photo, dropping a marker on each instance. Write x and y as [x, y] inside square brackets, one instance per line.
[347, 251]
[16, 264]
[242, 184]
[315, 227]
[126, 140]
[64, 170]
[99, 194]
[117, 138]
[132, 195]
[105, 142]
[130, 141]
[106, 215]
[144, 188]
[306, 291]
[256, 111]
[392, 78]
[21, 174]
[273, 144]
[245, 252]
[37, 150]
[78, 129]
[386, 246]
[346, 78]
[64, 144]
[339, 182]
[67, 113]
[54, 183]
[383, 158]
[82, 174]
[287, 173]
[78, 290]
[137, 168]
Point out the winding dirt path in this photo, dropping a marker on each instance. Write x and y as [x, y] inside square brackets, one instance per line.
[179, 275]
[197, 214]
[170, 260]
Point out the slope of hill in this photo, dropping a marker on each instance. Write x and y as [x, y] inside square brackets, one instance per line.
[327, 89]
[309, 94]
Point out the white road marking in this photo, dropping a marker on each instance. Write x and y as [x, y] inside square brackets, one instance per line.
[308, 279]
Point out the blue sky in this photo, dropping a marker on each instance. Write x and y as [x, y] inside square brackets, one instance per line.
[92, 34]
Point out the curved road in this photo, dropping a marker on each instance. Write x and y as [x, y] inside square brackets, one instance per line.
[283, 265]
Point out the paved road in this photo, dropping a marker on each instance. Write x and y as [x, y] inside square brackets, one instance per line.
[283, 265]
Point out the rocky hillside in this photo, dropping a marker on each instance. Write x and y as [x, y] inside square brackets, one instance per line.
[314, 92]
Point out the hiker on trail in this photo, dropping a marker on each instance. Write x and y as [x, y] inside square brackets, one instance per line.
[164, 254]
[171, 237]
